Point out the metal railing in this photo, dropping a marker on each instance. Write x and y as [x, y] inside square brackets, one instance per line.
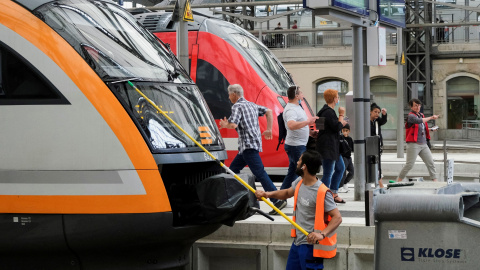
[456, 34]
[320, 38]
[471, 129]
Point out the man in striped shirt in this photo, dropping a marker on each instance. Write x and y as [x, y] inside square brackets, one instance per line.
[244, 119]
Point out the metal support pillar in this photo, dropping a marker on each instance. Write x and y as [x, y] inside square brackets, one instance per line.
[400, 91]
[359, 131]
[417, 52]
[366, 88]
[245, 21]
[428, 72]
[288, 18]
[260, 32]
[314, 34]
[268, 21]
[444, 160]
[182, 38]
[224, 9]
[467, 19]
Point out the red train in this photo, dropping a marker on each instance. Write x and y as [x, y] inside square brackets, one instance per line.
[220, 54]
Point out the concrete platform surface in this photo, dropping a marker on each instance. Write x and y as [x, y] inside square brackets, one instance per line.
[258, 243]
[466, 156]
[353, 212]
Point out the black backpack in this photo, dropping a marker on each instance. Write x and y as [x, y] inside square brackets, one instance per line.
[282, 130]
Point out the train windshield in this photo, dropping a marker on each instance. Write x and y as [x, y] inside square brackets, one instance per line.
[111, 41]
[183, 103]
[269, 65]
[120, 50]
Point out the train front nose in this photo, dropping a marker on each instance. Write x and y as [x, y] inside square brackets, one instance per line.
[200, 193]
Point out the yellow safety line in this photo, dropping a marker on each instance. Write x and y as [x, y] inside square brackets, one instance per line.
[218, 161]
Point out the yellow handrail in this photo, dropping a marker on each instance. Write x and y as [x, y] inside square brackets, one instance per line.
[218, 161]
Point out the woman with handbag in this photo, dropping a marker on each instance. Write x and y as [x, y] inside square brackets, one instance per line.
[328, 142]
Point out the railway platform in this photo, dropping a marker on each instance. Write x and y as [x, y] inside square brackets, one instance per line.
[258, 243]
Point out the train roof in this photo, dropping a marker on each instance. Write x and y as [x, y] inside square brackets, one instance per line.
[34, 4]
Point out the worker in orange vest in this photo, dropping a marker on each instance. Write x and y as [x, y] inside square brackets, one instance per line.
[315, 204]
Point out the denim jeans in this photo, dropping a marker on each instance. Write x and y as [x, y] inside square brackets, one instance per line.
[301, 258]
[333, 173]
[293, 153]
[252, 158]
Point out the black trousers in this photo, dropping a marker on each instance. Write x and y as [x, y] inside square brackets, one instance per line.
[349, 171]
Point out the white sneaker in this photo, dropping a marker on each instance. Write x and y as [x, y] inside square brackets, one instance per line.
[345, 187]
[343, 190]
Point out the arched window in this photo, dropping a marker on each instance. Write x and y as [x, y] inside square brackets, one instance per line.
[384, 91]
[462, 101]
[336, 84]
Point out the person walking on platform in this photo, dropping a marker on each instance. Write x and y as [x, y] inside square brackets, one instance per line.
[376, 123]
[417, 135]
[244, 119]
[278, 37]
[297, 124]
[315, 211]
[328, 142]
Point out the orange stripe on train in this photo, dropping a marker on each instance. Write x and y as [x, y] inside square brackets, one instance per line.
[48, 41]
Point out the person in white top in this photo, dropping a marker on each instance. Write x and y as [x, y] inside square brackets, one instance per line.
[297, 124]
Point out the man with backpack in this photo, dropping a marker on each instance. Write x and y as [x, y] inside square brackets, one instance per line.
[297, 125]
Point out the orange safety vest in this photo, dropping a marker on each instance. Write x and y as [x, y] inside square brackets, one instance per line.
[327, 248]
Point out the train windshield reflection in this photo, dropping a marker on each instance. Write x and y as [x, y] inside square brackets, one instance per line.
[90, 27]
[183, 103]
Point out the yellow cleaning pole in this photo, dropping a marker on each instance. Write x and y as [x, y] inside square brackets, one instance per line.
[218, 161]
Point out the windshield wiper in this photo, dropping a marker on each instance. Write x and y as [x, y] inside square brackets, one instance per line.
[113, 80]
[175, 73]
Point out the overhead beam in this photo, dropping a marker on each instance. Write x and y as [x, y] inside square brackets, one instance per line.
[233, 4]
[289, 31]
[477, 9]
[257, 19]
[453, 24]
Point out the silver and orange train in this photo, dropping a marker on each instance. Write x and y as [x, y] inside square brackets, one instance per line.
[91, 175]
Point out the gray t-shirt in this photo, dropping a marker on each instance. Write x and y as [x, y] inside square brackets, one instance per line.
[299, 136]
[306, 206]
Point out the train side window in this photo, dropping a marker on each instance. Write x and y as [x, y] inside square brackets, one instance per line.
[21, 83]
[213, 86]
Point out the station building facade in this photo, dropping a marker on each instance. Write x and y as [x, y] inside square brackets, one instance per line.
[455, 87]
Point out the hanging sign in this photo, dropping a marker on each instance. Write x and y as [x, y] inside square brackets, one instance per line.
[188, 14]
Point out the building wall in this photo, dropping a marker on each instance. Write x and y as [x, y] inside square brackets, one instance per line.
[444, 70]
[307, 75]
[309, 66]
